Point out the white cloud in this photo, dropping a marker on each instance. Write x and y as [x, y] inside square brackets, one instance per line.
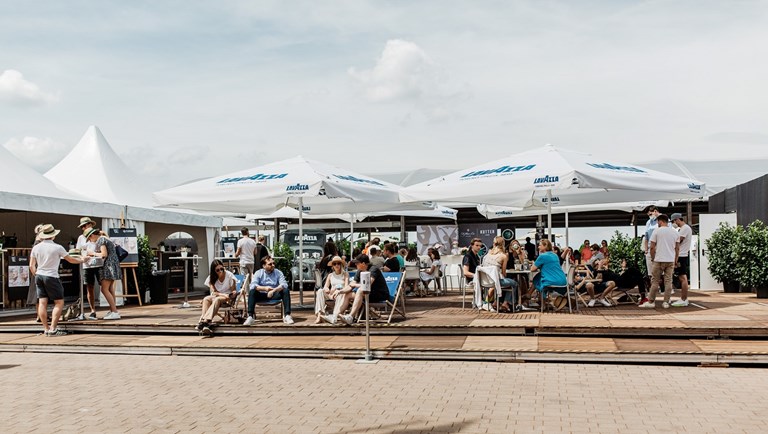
[403, 72]
[40, 154]
[15, 89]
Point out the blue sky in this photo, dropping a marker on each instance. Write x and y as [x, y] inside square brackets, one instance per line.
[188, 89]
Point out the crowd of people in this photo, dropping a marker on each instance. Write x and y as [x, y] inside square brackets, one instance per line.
[666, 243]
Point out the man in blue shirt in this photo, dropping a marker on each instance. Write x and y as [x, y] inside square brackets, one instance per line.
[268, 284]
[650, 225]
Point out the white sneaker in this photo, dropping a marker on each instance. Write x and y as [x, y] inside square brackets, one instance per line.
[605, 302]
[287, 319]
[348, 320]
[648, 305]
[112, 315]
[665, 305]
[330, 319]
[591, 303]
[680, 303]
[249, 321]
[485, 306]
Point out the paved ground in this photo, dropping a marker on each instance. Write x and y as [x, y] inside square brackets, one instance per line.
[116, 393]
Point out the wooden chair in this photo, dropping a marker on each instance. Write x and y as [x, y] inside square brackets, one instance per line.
[396, 302]
[568, 287]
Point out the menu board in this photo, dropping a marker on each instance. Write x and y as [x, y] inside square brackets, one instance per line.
[229, 246]
[18, 272]
[127, 239]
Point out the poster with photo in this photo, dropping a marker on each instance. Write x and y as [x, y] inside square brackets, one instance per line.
[444, 237]
[229, 246]
[126, 238]
[18, 272]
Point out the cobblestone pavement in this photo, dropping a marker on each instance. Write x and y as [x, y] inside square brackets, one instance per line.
[75, 393]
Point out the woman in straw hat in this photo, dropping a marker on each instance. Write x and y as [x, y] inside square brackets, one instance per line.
[336, 288]
[109, 272]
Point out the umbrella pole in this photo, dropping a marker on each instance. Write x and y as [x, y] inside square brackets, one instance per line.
[301, 252]
[566, 229]
[351, 235]
[549, 214]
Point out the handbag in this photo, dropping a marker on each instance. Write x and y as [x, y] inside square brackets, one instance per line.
[121, 252]
[72, 311]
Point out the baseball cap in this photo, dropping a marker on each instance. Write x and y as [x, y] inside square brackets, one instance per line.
[676, 216]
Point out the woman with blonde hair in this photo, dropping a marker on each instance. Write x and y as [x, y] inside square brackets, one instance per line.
[336, 288]
[497, 257]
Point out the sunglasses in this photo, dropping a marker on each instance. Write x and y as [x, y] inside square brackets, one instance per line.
[219, 270]
[336, 263]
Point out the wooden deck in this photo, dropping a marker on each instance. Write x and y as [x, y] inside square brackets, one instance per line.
[717, 328]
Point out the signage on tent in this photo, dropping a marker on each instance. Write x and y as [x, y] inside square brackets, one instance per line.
[297, 188]
[257, 177]
[358, 180]
[498, 171]
[617, 168]
[546, 181]
[694, 188]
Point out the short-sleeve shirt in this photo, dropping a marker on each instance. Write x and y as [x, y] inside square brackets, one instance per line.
[246, 245]
[224, 287]
[393, 264]
[48, 256]
[650, 225]
[471, 261]
[665, 238]
[551, 273]
[400, 260]
[586, 253]
[686, 233]
[379, 289]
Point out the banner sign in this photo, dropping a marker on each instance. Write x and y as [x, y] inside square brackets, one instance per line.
[485, 231]
[127, 239]
[442, 237]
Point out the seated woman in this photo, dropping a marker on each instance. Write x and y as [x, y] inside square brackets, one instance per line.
[518, 256]
[497, 257]
[336, 288]
[223, 285]
[411, 259]
[550, 273]
[432, 273]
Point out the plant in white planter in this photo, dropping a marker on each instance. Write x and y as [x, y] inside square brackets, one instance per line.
[752, 251]
[723, 257]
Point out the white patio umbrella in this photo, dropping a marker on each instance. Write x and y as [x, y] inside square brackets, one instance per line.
[317, 187]
[496, 212]
[545, 175]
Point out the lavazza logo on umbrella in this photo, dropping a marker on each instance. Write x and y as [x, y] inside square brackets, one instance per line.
[358, 180]
[546, 181]
[259, 177]
[503, 170]
[297, 188]
[610, 166]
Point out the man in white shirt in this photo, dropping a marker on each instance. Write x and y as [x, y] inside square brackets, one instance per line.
[665, 247]
[246, 248]
[44, 265]
[90, 273]
[683, 266]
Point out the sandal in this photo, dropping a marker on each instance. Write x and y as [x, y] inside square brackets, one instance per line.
[559, 303]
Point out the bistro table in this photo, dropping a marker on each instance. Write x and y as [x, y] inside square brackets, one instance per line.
[186, 259]
[519, 274]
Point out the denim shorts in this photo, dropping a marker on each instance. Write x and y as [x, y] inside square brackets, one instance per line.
[49, 287]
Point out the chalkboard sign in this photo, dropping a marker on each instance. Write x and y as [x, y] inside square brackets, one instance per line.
[127, 239]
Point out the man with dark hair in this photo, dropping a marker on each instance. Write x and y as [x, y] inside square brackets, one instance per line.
[268, 284]
[379, 290]
[260, 252]
[391, 264]
[665, 247]
[246, 251]
[683, 266]
[471, 259]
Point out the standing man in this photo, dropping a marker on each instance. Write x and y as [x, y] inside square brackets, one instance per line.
[261, 252]
[268, 284]
[683, 266]
[650, 226]
[585, 252]
[44, 265]
[472, 260]
[90, 273]
[665, 247]
[246, 251]
[530, 249]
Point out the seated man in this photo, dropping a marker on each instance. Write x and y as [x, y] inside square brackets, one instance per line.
[268, 284]
[596, 260]
[379, 290]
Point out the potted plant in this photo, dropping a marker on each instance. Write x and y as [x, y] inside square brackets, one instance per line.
[751, 251]
[723, 257]
[624, 247]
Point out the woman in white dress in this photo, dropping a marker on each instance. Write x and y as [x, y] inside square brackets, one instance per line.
[336, 288]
